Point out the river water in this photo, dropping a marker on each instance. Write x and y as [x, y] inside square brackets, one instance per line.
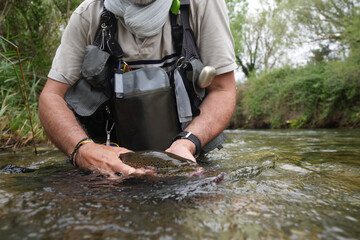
[278, 184]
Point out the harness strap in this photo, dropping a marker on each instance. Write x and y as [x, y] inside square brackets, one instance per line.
[105, 36]
[189, 48]
[185, 46]
[183, 37]
[177, 34]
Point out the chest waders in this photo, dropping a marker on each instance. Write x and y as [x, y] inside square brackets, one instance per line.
[148, 106]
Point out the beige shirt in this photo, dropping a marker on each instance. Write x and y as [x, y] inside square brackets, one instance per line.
[208, 19]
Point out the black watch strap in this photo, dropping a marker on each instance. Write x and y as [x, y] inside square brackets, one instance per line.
[192, 138]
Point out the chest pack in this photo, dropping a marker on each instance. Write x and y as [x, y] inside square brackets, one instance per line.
[140, 109]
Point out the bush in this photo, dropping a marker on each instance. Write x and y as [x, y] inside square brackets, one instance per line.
[324, 94]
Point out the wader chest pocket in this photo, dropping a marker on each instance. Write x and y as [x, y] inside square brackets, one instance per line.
[96, 67]
[145, 110]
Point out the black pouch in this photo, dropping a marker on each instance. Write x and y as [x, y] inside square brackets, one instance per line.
[97, 67]
[145, 110]
[89, 97]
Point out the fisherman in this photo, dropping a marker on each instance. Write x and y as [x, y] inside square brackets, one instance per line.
[144, 32]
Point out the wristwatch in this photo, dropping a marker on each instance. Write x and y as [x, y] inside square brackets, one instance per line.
[192, 138]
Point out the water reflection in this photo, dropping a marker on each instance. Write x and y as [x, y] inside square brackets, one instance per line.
[289, 185]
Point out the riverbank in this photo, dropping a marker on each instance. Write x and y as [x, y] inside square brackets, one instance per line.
[318, 95]
[10, 141]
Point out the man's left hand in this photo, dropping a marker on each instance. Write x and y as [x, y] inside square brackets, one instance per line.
[183, 148]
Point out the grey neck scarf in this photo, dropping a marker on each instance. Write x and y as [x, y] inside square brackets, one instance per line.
[142, 20]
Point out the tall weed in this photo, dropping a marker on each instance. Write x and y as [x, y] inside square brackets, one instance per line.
[14, 117]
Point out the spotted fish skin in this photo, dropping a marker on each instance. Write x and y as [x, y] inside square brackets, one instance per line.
[163, 163]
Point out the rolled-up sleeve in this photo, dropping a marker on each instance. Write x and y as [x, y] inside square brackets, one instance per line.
[67, 63]
[210, 24]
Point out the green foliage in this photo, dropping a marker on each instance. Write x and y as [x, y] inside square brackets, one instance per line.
[325, 92]
[13, 115]
[317, 95]
[325, 22]
[324, 19]
[264, 39]
[35, 28]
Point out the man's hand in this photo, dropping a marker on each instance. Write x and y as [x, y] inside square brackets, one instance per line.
[183, 148]
[105, 159]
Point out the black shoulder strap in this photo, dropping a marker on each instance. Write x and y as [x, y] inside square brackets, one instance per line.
[183, 37]
[105, 36]
[177, 33]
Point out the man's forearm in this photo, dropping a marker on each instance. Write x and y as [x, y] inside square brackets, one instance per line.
[58, 120]
[216, 109]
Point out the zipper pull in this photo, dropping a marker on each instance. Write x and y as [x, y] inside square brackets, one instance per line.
[108, 133]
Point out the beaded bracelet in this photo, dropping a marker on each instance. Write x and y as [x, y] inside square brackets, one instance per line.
[80, 143]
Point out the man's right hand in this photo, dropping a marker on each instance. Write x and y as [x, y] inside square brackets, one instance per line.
[105, 159]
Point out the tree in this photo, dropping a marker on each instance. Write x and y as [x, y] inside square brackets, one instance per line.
[325, 22]
[237, 12]
[265, 40]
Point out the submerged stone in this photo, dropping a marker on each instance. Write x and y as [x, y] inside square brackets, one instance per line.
[9, 168]
[251, 171]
